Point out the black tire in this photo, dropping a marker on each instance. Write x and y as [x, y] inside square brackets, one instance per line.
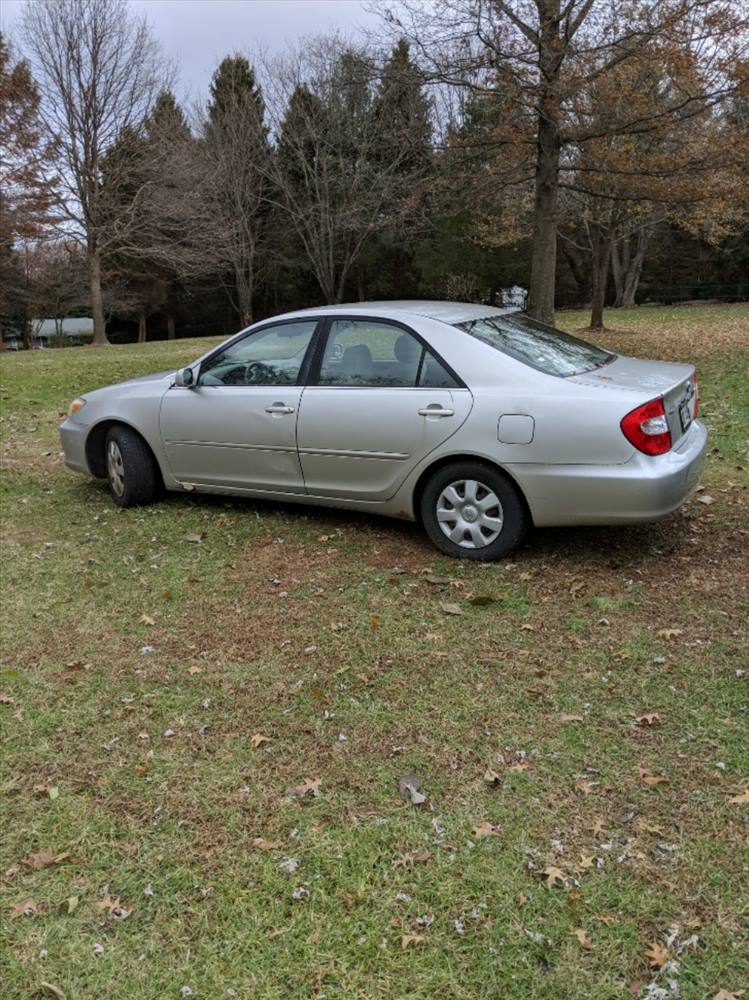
[513, 526]
[135, 480]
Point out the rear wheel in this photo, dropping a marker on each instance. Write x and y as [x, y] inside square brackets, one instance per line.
[471, 511]
[131, 471]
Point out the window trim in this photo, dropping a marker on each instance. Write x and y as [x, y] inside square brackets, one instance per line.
[322, 335]
[245, 335]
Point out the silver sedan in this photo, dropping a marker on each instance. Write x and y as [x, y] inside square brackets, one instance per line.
[477, 421]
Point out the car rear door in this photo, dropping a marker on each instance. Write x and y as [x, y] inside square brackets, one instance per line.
[379, 402]
[236, 428]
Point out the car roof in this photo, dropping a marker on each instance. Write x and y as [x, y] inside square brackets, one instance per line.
[446, 312]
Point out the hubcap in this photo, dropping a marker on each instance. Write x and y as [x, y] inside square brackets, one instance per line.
[469, 514]
[115, 468]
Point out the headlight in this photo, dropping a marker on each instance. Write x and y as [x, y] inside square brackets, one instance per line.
[76, 405]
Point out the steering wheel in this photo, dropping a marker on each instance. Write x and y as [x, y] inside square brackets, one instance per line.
[256, 372]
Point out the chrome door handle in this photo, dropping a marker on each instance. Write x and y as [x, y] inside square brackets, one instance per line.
[436, 411]
[279, 408]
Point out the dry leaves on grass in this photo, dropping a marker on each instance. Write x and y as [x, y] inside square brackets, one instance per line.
[571, 718]
[309, 788]
[647, 777]
[113, 907]
[25, 908]
[411, 939]
[258, 740]
[648, 720]
[486, 829]
[411, 858]
[669, 633]
[261, 844]
[43, 859]
[451, 609]
[742, 799]
[582, 937]
[409, 789]
[656, 955]
[554, 876]
[5, 699]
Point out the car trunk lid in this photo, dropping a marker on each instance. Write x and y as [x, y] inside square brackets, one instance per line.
[675, 383]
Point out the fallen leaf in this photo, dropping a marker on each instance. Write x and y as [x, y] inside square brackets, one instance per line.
[582, 937]
[486, 829]
[742, 799]
[554, 876]
[669, 633]
[705, 498]
[451, 609]
[647, 777]
[258, 741]
[411, 858]
[571, 718]
[517, 768]
[728, 995]
[492, 778]
[43, 859]
[5, 699]
[656, 955]
[261, 844]
[642, 826]
[113, 906]
[649, 719]
[584, 786]
[599, 826]
[26, 908]
[310, 786]
[409, 939]
[408, 788]
[70, 905]
[196, 536]
[195, 669]
[147, 620]
[438, 580]
[55, 991]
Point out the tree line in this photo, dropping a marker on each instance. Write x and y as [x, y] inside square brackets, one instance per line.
[555, 144]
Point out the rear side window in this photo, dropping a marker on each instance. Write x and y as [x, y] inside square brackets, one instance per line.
[537, 344]
[379, 355]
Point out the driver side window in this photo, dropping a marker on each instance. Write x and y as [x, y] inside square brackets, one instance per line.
[268, 357]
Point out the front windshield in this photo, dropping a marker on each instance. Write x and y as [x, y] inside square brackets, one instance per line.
[537, 344]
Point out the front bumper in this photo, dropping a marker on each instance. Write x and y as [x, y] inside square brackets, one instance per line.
[645, 488]
[73, 439]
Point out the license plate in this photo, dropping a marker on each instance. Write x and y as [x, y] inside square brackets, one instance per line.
[685, 414]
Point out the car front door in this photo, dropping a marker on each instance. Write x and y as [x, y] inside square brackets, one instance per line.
[236, 427]
[380, 402]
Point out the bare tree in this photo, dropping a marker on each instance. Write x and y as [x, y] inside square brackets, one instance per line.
[550, 51]
[99, 72]
[332, 185]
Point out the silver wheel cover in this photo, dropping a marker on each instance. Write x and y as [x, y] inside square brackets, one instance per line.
[115, 468]
[469, 514]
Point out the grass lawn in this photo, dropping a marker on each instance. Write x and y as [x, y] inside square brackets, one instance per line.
[202, 740]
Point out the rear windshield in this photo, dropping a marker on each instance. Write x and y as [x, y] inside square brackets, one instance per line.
[537, 344]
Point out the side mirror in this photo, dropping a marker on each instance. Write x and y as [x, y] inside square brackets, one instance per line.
[185, 378]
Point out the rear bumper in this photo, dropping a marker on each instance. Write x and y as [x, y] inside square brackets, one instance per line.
[645, 488]
[73, 440]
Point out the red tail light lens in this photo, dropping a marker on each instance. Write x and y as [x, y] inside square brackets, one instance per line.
[647, 428]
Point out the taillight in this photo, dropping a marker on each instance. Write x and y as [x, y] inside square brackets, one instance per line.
[647, 428]
[696, 396]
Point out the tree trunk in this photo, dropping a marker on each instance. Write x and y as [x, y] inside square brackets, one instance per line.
[170, 325]
[627, 266]
[142, 329]
[546, 195]
[97, 302]
[601, 247]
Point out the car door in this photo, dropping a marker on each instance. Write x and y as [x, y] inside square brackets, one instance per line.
[236, 427]
[379, 403]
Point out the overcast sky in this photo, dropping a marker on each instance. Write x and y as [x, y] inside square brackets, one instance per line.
[198, 33]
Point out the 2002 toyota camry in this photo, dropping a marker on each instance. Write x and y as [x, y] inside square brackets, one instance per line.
[476, 420]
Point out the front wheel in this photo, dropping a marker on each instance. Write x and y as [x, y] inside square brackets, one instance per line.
[131, 471]
[472, 511]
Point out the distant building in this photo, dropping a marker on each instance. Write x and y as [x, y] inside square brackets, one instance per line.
[72, 329]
